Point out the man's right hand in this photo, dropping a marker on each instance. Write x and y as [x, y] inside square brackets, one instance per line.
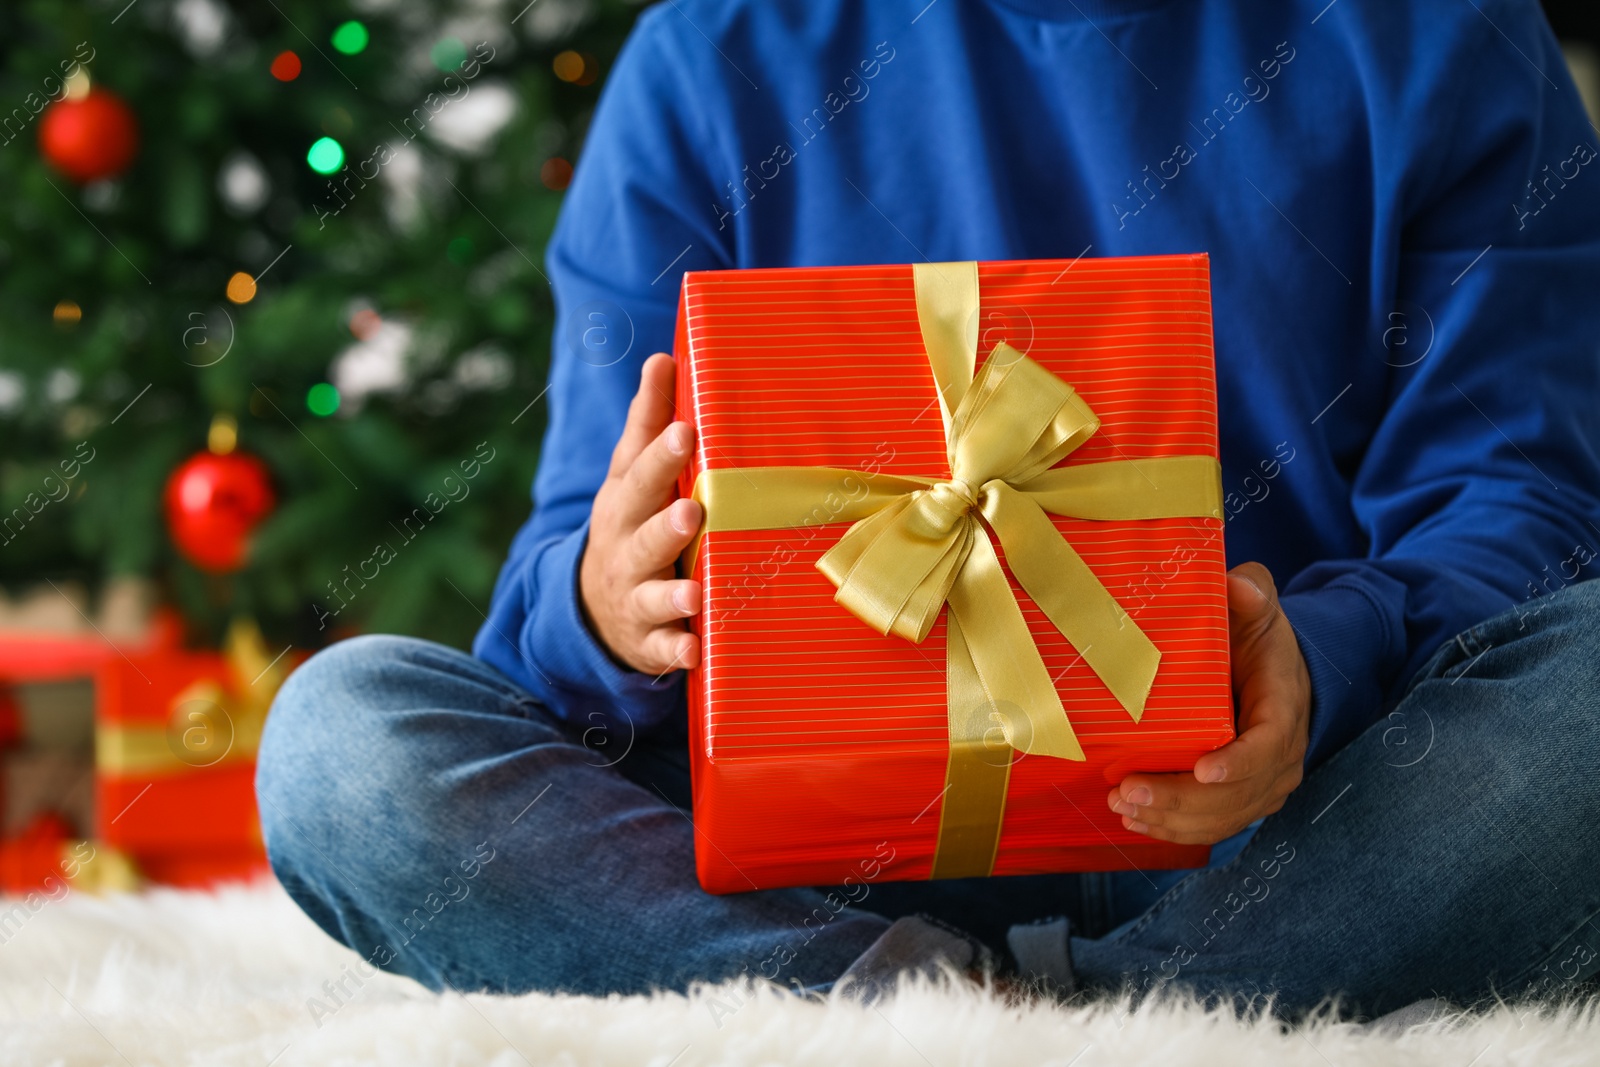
[633, 600]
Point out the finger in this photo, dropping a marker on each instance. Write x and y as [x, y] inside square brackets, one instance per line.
[1178, 803]
[648, 484]
[1269, 675]
[669, 648]
[1213, 825]
[1154, 798]
[1252, 594]
[1264, 746]
[666, 601]
[1274, 698]
[661, 538]
[648, 412]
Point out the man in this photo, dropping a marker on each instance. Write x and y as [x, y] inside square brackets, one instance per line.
[1405, 246]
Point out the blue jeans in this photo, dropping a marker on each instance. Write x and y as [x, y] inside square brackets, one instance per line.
[428, 813]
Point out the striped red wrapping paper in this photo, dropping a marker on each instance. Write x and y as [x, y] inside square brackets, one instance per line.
[820, 746]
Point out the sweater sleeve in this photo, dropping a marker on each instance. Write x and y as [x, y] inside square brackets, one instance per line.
[1478, 492]
[638, 214]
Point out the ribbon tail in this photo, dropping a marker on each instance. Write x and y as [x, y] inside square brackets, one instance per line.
[1015, 684]
[1067, 591]
[977, 774]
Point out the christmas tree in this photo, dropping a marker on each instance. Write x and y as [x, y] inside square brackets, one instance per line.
[298, 246]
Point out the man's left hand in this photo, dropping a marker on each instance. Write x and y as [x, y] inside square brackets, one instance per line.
[1254, 774]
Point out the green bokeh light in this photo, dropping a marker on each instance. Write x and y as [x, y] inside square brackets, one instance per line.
[326, 156]
[350, 38]
[459, 250]
[448, 54]
[322, 399]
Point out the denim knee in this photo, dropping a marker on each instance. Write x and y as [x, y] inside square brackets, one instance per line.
[366, 737]
[323, 731]
[1533, 673]
[320, 704]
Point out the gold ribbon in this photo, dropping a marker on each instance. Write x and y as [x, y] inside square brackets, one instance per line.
[917, 545]
[207, 726]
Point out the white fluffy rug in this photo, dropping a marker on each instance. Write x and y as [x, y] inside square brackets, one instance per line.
[179, 978]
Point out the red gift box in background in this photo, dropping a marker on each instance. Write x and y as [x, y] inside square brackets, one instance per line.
[176, 733]
[820, 746]
[160, 786]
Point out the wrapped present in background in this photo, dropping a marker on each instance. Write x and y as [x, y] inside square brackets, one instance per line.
[963, 564]
[176, 735]
[37, 780]
[130, 760]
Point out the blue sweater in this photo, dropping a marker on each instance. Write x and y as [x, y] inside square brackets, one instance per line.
[1404, 230]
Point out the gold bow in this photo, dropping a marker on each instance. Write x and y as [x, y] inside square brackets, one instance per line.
[917, 544]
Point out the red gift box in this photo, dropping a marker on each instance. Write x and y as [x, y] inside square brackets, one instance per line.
[175, 736]
[175, 759]
[822, 748]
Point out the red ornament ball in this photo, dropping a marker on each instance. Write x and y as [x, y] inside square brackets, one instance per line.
[90, 138]
[214, 503]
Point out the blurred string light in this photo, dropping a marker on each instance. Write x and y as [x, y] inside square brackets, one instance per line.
[575, 67]
[364, 323]
[350, 38]
[325, 156]
[242, 183]
[223, 437]
[286, 67]
[241, 288]
[556, 173]
[322, 399]
[62, 385]
[13, 390]
[67, 314]
[448, 54]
